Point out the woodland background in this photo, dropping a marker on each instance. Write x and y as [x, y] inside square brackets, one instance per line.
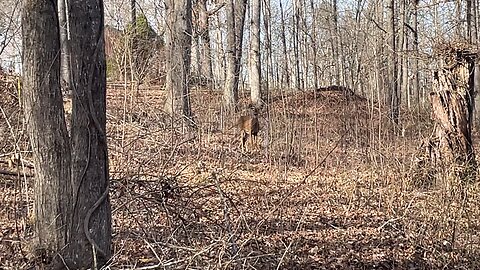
[342, 179]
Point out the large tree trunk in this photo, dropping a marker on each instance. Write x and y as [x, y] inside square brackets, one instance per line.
[90, 245]
[452, 106]
[72, 210]
[235, 22]
[254, 59]
[178, 37]
[47, 129]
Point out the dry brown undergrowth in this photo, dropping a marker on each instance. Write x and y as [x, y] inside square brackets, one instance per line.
[331, 188]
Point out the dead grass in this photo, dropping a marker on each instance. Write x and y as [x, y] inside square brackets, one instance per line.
[331, 188]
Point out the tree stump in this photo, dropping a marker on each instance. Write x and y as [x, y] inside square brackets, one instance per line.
[452, 102]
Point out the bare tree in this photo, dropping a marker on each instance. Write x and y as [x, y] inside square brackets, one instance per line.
[90, 242]
[201, 35]
[254, 59]
[335, 36]
[285, 75]
[47, 128]
[403, 64]
[72, 209]
[296, 43]
[178, 47]
[394, 93]
[235, 21]
[416, 79]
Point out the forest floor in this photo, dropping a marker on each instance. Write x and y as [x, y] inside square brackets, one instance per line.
[332, 186]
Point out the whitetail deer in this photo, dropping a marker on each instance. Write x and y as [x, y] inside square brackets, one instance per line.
[249, 127]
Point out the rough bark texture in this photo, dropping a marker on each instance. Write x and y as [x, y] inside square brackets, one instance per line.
[254, 57]
[91, 226]
[178, 37]
[452, 107]
[46, 127]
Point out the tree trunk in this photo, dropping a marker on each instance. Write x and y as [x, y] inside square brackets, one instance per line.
[90, 244]
[296, 42]
[133, 14]
[254, 61]
[178, 37]
[452, 107]
[269, 77]
[313, 42]
[394, 95]
[469, 21]
[472, 32]
[240, 13]
[459, 21]
[403, 65]
[285, 69]
[230, 93]
[65, 70]
[235, 22]
[202, 35]
[335, 44]
[46, 127]
[416, 80]
[220, 55]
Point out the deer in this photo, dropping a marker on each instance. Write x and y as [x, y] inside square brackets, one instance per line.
[249, 127]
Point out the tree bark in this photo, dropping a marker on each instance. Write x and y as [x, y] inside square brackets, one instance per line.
[178, 37]
[47, 128]
[90, 245]
[254, 61]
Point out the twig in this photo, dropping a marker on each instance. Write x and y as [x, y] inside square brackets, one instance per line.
[156, 266]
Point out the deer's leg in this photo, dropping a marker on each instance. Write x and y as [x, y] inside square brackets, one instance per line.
[243, 140]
